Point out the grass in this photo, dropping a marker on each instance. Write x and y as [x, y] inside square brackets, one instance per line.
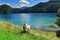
[8, 31]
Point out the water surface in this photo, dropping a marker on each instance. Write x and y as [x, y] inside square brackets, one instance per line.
[36, 20]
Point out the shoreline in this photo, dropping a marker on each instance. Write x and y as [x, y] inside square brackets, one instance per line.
[13, 25]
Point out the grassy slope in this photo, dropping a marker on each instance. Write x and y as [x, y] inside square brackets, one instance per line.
[8, 31]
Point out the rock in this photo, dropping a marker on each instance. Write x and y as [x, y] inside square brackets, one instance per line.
[53, 26]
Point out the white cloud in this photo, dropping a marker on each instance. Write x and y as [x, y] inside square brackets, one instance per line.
[5, 3]
[8, 4]
[24, 2]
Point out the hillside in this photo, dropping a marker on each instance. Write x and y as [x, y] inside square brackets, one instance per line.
[54, 0]
[9, 31]
[8, 9]
[45, 7]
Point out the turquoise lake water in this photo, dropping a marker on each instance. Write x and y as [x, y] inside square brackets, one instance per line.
[36, 20]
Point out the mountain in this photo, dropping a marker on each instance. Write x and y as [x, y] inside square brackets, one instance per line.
[7, 9]
[24, 8]
[47, 7]
[54, 0]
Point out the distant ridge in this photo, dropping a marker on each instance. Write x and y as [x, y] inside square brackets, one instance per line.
[47, 7]
[23, 8]
[54, 0]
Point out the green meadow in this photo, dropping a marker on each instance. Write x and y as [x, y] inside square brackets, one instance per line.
[9, 31]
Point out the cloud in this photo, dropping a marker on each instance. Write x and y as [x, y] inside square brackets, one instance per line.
[5, 3]
[8, 4]
[17, 6]
[24, 2]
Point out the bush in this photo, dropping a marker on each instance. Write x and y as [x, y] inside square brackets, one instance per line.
[58, 13]
[53, 26]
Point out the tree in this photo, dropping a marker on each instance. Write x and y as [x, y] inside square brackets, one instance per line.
[58, 19]
[58, 13]
[58, 23]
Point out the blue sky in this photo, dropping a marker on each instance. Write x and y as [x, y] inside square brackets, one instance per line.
[21, 3]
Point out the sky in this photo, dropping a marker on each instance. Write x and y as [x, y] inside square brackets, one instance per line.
[21, 3]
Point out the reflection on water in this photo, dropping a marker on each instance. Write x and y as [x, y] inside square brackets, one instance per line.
[36, 20]
[25, 17]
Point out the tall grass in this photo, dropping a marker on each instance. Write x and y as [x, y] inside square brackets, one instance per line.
[8, 31]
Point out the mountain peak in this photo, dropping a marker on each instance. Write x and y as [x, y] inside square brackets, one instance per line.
[24, 8]
[5, 5]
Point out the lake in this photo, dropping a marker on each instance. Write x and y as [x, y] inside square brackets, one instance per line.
[36, 20]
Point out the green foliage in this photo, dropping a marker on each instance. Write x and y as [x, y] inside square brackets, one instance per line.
[58, 13]
[58, 34]
[58, 21]
[58, 18]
